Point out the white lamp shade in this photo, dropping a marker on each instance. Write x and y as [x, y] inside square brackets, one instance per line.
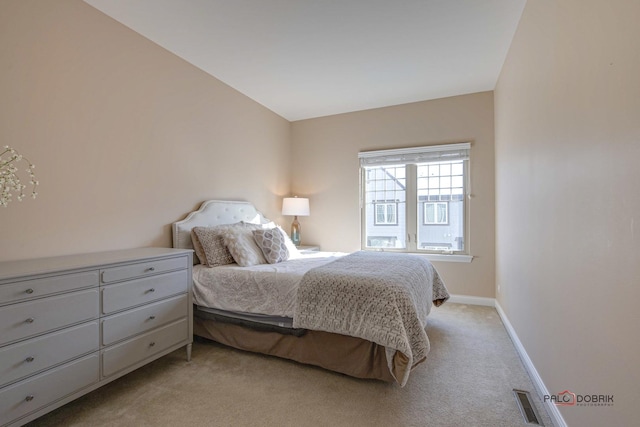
[295, 206]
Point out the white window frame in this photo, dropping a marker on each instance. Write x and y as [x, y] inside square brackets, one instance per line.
[411, 157]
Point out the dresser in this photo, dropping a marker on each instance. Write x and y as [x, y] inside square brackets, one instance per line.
[71, 324]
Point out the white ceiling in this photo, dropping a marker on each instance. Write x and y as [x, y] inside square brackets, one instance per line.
[312, 58]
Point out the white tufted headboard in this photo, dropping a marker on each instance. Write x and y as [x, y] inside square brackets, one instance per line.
[214, 212]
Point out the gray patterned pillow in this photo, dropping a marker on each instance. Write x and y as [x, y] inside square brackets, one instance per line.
[209, 245]
[273, 245]
[242, 245]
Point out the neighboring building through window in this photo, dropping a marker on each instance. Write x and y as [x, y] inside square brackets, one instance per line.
[414, 200]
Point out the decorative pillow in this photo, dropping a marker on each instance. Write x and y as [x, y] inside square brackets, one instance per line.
[242, 245]
[272, 243]
[214, 251]
[200, 257]
[293, 250]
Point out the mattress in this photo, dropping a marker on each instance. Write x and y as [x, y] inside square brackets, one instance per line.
[242, 318]
[268, 290]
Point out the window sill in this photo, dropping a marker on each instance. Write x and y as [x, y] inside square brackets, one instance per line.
[446, 258]
[434, 257]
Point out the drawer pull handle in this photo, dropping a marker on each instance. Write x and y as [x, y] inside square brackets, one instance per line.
[30, 359]
[151, 344]
[152, 317]
[29, 398]
[151, 269]
[30, 320]
[29, 291]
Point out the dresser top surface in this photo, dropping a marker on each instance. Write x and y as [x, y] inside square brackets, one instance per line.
[37, 266]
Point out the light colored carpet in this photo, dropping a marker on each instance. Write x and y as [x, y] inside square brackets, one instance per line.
[467, 380]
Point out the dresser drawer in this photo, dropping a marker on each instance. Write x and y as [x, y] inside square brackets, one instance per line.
[141, 291]
[121, 356]
[28, 289]
[34, 355]
[27, 396]
[121, 326]
[30, 318]
[142, 269]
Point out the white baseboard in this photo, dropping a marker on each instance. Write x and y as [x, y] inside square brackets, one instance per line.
[465, 299]
[542, 390]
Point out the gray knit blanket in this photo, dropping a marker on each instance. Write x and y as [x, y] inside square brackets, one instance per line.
[378, 296]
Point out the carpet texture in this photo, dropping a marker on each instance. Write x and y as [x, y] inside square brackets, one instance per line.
[467, 380]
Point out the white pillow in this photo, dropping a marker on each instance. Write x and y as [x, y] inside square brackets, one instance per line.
[242, 246]
[293, 251]
[266, 226]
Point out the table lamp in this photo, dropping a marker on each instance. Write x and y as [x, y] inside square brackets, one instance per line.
[296, 206]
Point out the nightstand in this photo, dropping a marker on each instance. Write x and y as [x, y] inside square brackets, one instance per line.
[307, 249]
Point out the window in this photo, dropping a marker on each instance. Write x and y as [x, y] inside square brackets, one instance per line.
[413, 200]
[386, 214]
[386, 187]
[436, 213]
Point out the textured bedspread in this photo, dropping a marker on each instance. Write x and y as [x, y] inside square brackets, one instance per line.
[381, 297]
[261, 289]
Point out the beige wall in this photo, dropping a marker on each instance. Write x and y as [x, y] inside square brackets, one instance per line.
[325, 168]
[125, 136]
[567, 199]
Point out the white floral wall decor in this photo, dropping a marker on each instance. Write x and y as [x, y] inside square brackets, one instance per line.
[10, 183]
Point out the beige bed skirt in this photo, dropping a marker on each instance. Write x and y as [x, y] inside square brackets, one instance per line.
[340, 353]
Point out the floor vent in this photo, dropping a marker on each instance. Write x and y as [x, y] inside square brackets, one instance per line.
[528, 411]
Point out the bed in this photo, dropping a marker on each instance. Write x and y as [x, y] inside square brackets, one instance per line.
[362, 314]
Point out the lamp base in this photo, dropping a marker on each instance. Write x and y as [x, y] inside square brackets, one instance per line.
[295, 231]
